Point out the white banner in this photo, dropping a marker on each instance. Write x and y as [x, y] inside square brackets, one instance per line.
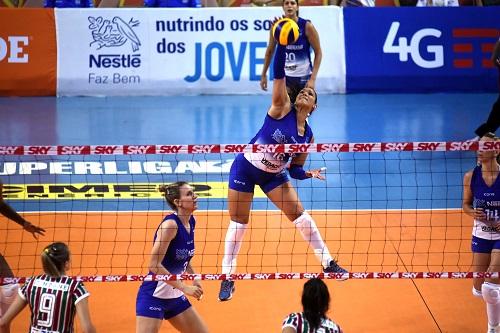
[164, 51]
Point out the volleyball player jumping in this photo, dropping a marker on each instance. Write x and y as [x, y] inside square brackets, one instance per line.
[284, 123]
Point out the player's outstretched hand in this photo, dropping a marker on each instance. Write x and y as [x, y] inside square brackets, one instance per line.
[33, 229]
[316, 173]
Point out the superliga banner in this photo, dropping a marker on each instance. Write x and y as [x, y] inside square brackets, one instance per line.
[181, 51]
[421, 49]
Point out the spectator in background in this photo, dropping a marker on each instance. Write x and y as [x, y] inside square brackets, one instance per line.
[493, 121]
[487, 3]
[315, 304]
[437, 3]
[180, 3]
[357, 3]
[68, 3]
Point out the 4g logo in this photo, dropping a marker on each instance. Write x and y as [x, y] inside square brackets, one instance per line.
[405, 49]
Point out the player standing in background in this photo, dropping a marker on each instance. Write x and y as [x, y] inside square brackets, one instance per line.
[284, 123]
[300, 72]
[8, 291]
[53, 297]
[172, 251]
[481, 200]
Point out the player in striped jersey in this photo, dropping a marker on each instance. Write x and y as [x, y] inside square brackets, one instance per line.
[481, 200]
[53, 297]
[313, 319]
[172, 251]
[8, 291]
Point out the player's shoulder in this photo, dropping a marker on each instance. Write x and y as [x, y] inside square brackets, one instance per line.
[468, 176]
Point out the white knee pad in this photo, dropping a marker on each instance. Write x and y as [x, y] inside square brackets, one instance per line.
[305, 224]
[491, 292]
[8, 293]
[477, 293]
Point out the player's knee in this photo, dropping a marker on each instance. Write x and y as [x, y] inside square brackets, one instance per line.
[491, 292]
[239, 216]
[305, 223]
[241, 219]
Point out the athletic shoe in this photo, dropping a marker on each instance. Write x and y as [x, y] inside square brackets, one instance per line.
[493, 329]
[335, 268]
[226, 290]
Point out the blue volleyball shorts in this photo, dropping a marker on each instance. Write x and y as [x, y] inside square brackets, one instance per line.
[153, 307]
[481, 245]
[243, 177]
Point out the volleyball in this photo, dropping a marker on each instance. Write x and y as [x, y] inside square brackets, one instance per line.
[285, 31]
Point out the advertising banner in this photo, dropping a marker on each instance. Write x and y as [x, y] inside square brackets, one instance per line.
[181, 51]
[28, 52]
[421, 49]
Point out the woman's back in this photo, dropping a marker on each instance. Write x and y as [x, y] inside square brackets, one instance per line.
[299, 323]
[52, 302]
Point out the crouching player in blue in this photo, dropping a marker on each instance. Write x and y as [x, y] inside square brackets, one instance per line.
[481, 200]
[172, 251]
[285, 123]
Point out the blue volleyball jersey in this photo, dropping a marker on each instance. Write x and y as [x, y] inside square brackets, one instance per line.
[298, 55]
[176, 259]
[487, 198]
[275, 131]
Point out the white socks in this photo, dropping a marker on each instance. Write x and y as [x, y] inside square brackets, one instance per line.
[491, 295]
[232, 246]
[309, 231]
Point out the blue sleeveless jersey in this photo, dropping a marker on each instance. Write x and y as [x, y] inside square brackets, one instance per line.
[275, 131]
[176, 259]
[487, 198]
[298, 55]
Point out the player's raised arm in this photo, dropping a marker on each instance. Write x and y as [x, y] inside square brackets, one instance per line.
[280, 103]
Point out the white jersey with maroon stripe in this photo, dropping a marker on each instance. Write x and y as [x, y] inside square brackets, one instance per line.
[298, 322]
[52, 301]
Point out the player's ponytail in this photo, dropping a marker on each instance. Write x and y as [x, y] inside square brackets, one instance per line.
[315, 302]
[54, 259]
[172, 192]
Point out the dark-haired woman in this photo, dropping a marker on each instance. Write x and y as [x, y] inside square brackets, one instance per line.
[172, 251]
[313, 319]
[285, 123]
[53, 297]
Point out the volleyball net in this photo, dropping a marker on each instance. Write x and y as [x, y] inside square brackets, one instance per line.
[386, 210]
